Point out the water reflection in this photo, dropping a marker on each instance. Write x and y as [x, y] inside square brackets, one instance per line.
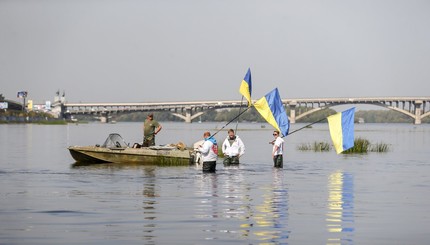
[340, 213]
[207, 208]
[149, 205]
[272, 216]
[236, 201]
[224, 205]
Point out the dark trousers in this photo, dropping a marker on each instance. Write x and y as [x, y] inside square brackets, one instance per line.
[231, 160]
[148, 142]
[209, 167]
[278, 161]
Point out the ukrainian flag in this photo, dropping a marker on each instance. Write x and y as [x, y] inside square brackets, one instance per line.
[341, 127]
[271, 108]
[246, 87]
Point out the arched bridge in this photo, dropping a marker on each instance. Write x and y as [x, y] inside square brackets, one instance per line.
[414, 107]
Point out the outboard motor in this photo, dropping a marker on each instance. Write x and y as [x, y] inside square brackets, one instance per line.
[196, 156]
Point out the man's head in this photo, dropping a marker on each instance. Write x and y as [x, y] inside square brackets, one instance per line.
[231, 134]
[276, 133]
[150, 116]
[206, 134]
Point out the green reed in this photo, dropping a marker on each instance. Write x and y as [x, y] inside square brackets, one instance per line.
[361, 145]
[380, 147]
[317, 146]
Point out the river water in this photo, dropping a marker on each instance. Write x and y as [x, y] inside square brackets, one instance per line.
[317, 198]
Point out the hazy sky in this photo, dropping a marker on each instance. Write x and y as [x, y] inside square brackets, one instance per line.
[173, 50]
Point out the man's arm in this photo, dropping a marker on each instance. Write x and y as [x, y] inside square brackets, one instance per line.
[241, 148]
[224, 146]
[158, 129]
[204, 148]
[275, 149]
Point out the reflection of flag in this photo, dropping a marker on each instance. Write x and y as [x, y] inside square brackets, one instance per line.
[341, 127]
[246, 87]
[271, 108]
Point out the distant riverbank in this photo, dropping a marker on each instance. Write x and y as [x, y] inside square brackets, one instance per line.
[29, 117]
[368, 116]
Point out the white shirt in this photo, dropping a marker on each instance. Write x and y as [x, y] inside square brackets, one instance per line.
[208, 151]
[279, 142]
[235, 149]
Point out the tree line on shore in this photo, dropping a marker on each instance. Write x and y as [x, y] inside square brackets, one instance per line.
[368, 116]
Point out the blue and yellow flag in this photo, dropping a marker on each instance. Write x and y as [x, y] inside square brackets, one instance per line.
[271, 108]
[246, 87]
[341, 127]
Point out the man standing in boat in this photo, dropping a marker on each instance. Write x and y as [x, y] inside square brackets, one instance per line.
[232, 148]
[277, 151]
[150, 128]
[209, 151]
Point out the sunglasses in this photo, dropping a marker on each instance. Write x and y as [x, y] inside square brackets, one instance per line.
[275, 134]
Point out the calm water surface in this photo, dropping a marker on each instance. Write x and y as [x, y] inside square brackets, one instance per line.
[318, 198]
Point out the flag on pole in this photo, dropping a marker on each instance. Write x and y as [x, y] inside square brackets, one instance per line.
[271, 108]
[341, 126]
[246, 87]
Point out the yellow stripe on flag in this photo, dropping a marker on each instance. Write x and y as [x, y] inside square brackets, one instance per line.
[335, 127]
[263, 108]
[244, 90]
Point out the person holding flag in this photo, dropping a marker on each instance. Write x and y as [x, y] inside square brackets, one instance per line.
[209, 151]
[232, 148]
[278, 150]
[272, 110]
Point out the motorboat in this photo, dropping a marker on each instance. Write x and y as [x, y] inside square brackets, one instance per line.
[116, 150]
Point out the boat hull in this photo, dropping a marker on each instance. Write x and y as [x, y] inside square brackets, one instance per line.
[145, 155]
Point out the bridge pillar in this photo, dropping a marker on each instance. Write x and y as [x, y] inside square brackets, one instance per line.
[104, 117]
[418, 111]
[188, 115]
[293, 105]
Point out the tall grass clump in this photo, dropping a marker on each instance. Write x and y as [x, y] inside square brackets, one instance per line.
[360, 146]
[316, 146]
[321, 146]
[304, 147]
[379, 147]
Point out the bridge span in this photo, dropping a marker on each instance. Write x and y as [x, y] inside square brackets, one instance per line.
[414, 107]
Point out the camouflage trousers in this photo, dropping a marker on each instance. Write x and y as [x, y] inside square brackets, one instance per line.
[278, 161]
[148, 141]
[231, 160]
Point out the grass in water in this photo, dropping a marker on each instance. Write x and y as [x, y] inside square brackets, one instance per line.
[316, 146]
[304, 147]
[379, 147]
[361, 145]
[321, 146]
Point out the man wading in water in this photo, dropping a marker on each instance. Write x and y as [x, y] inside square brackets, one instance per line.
[209, 151]
[232, 148]
[278, 150]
